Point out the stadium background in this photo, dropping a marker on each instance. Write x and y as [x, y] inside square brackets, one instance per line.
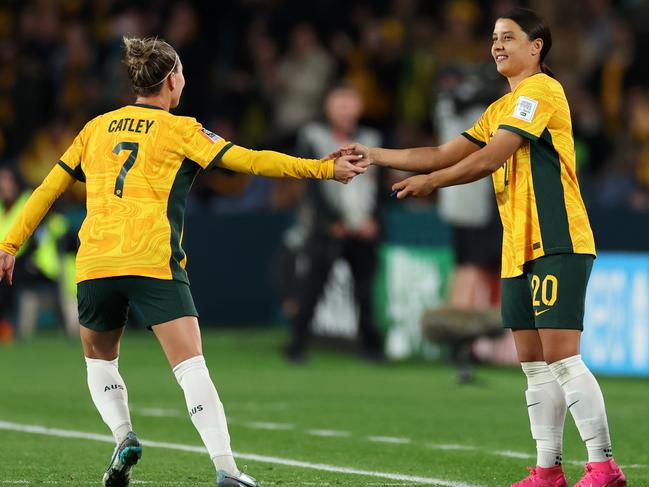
[248, 64]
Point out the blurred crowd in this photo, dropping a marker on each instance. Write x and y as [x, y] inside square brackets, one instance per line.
[258, 70]
[303, 78]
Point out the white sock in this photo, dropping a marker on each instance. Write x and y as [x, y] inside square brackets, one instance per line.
[546, 406]
[586, 404]
[206, 411]
[109, 394]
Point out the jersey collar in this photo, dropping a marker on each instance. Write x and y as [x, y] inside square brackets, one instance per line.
[143, 105]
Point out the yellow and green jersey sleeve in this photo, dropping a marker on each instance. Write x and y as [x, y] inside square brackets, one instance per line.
[209, 150]
[275, 164]
[537, 190]
[203, 147]
[531, 106]
[479, 133]
[70, 161]
[35, 209]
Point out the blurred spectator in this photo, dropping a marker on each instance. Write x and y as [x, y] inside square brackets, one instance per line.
[470, 209]
[610, 78]
[460, 46]
[38, 33]
[374, 66]
[341, 224]
[183, 32]
[44, 149]
[417, 82]
[75, 74]
[44, 273]
[639, 128]
[302, 79]
[476, 231]
[13, 197]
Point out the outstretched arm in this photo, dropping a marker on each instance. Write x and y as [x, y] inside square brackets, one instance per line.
[276, 164]
[476, 166]
[419, 159]
[37, 206]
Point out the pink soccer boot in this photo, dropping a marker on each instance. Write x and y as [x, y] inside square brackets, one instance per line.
[602, 474]
[543, 477]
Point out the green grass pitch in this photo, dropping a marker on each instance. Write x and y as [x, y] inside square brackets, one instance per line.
[336, 421]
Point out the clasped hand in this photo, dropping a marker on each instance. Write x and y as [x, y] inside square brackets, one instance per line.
[347, 165]
[420, 185]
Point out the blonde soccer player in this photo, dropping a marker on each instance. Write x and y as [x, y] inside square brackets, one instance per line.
[524, 139]
[139, 163]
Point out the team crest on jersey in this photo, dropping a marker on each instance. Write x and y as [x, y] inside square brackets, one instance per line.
[211, 135]
[525, 108]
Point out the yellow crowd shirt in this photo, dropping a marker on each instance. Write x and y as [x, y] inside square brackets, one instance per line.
[139, 163]
[536, 188]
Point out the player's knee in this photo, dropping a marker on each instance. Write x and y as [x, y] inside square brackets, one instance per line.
[552, 356]
[529, 355]
[184, 354]
[100, 352]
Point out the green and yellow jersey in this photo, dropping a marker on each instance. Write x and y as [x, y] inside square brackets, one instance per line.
[536, 188]
[139, 163]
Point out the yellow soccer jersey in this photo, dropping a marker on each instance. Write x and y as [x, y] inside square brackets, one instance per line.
[139, 163]
[536, 188]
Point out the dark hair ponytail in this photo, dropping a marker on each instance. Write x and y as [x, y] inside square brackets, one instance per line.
[546, 70]
[536, 28]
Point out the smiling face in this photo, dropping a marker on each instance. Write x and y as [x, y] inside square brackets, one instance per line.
[512, 49]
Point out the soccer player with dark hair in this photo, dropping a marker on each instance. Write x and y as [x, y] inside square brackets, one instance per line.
[524, 139]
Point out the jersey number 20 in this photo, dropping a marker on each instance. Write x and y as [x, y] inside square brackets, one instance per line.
[130, 160]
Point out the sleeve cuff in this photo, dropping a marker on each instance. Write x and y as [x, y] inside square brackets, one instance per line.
[218, 156]
[471, 138]
[76, 173]
[331, 170]
[519, 131]
[8, 248]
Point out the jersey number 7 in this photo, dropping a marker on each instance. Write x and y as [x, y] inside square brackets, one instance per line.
[130, 160]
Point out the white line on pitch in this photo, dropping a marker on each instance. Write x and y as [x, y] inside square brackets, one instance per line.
[257, 406]
[328, 433]
[513, 454]
[389, 439]
[272, 426]
[268, 425]
[449, 446]
[43, 430]
[157, 412]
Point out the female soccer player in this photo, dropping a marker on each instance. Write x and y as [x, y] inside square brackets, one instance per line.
[525, 141]
[138, 163]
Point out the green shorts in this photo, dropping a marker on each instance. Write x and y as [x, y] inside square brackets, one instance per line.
[103, 303]
[550, 293]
